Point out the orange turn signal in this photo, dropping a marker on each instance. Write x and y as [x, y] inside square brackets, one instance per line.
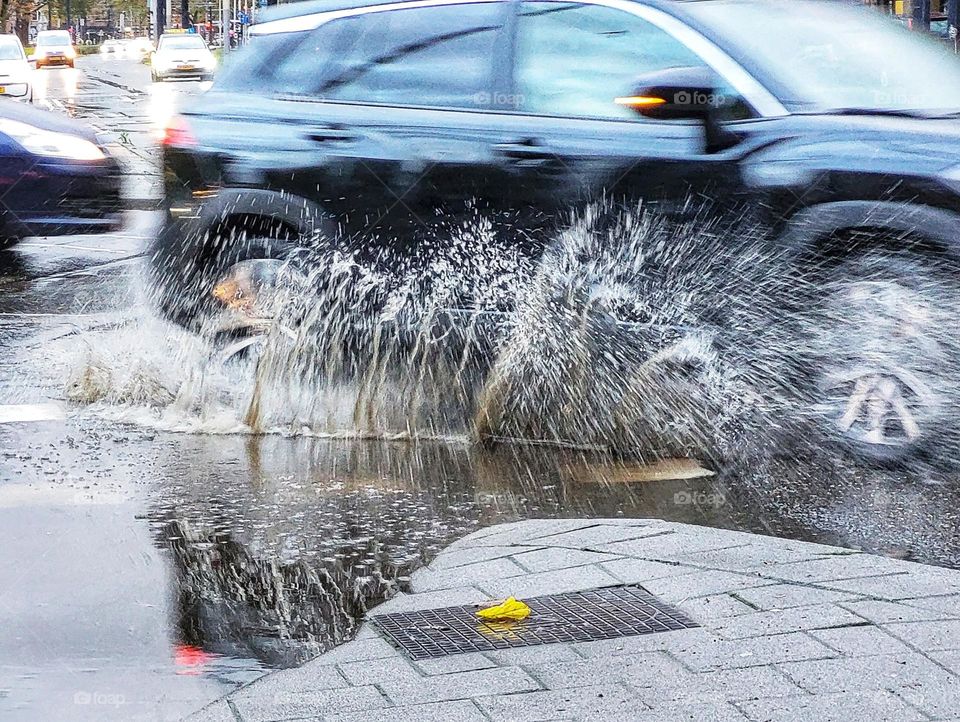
[639, 101]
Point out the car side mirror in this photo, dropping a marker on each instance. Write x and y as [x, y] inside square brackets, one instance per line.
[687, 93]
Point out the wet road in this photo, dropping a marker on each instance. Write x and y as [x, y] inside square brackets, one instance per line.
[145, 571]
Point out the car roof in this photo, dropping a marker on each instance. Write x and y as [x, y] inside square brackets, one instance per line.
[314, 7]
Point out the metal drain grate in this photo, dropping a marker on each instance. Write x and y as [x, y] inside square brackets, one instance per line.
[605, 613]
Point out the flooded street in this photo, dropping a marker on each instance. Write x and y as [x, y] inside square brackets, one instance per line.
[156, 554]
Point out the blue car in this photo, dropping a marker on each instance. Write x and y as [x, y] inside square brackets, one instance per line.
[55, 177]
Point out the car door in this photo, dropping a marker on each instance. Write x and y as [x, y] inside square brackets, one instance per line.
[396, 119]
[568, 139]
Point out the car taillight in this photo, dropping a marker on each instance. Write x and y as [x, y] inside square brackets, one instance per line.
[177, 134]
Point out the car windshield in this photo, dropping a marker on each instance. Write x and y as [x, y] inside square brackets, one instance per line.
[54, 39]
[823, 56]
[10, 50]
[187, 42]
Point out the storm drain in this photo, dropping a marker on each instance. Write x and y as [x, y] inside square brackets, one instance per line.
[587, 616]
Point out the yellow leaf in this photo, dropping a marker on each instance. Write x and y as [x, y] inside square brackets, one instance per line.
[511, 610]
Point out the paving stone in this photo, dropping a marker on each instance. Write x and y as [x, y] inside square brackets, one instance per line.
[456, 711]
[835, 568]
[882, 612]
[663, 546]
[933, 699]
[751, 652]
[430, 600]
[949, 659]
[701, 584]
[899, 586]
[785, 596]
[748, 557]
[451, 558]
[860, 641]
[928, 636]
[266, 708]
[539, 654]
[370, 647]
[217, 712]
[455, 663]
[375, 671]
[714, 607]
[948, 606]
[501, 680]
[593, 536]
[591, 703]
[786, 620]
[680, 639]
[546, 560]
[637, 670]
[524, 532]
[556, 582]
[719, 686]
[875, 705]
[638, 571]
[865, 673]
[426, 580]
[306, 678]
[709, 712]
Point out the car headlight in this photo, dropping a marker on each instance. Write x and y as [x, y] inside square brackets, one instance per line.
[49, 143]
[70, 53]
[16, 89]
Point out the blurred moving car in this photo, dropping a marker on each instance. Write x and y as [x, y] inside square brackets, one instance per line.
[138, 48]
[368, 122]
[111, 47]
[15, 71]
[183, 55]
[54, 47]
[57, 178]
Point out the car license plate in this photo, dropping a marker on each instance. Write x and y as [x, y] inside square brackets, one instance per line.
[2, 90]
[184, 67]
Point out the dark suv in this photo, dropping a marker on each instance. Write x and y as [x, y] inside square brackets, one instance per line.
[353, 122]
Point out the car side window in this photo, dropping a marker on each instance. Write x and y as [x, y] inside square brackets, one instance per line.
[433, 56]
[575, 59]
[306, 61]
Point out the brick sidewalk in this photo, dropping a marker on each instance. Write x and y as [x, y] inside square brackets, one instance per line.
[791, 631]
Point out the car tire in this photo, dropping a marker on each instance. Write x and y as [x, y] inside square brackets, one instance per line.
[182, 285]
[880, 357]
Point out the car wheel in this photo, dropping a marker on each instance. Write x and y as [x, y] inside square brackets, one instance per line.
[881, 356]
[183, 286]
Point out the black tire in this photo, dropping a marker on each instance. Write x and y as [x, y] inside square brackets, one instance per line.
[182, 289]
[880, 357]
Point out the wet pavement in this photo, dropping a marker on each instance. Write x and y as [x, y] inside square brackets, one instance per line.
[146, 572]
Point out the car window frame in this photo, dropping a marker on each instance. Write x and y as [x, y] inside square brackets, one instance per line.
[498, 69]
[760, 100]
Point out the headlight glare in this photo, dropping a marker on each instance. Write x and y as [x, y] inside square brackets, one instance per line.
[50, 144]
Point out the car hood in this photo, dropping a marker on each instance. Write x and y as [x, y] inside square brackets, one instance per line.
[46, 120]
[14, 68]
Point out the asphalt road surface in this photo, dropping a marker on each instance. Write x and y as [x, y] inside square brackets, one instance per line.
[150, 563]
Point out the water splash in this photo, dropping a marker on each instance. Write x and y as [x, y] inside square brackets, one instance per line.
[631, 334]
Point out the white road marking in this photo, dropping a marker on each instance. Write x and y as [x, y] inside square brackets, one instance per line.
[21, 413]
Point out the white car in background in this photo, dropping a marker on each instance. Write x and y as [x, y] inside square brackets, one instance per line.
[54, 47]
[16, 75]
[138, 48]
[182, 55]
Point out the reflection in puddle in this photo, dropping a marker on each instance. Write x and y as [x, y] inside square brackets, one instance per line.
[278, 555]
